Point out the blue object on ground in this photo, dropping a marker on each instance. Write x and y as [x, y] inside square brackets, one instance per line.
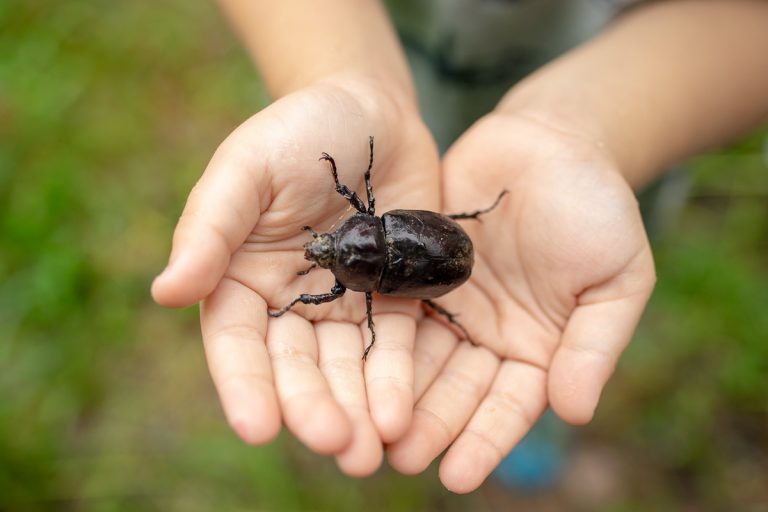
[537, 461]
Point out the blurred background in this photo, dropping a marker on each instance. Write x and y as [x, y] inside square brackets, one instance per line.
[108, 114]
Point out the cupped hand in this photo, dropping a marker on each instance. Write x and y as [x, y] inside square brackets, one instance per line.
[239, 245]
[562, 273]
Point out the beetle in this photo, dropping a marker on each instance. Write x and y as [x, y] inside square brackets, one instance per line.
[416, 254]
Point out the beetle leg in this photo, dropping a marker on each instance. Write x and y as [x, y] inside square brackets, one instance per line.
[368, 187]
[437, 308]
[369, 312]
[336, 292]
[477, 213]
[350, 196]
[305, 272]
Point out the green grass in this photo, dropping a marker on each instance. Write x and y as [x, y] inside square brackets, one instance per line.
[108, 114]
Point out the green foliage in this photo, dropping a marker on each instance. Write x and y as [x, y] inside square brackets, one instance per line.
[689, 398]
[108, 113]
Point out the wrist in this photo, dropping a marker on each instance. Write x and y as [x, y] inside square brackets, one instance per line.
[374, 92]
[666, 81]
[571, 123]
[296, 45]
[598, 126]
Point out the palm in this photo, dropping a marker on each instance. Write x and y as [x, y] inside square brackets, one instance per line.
[567, 226]
[562, 270]
[301, 193]
[242, 238]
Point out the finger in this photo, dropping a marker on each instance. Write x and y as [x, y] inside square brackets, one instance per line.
[514, 403]
[340, 346]
[389, 373]
[309, 409]
[596, 334]
[445, 408]
[434, 345]
[519, 331]
[221, 210]
[233, 321]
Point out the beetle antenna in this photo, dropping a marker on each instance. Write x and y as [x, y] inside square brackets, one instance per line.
[309, 228]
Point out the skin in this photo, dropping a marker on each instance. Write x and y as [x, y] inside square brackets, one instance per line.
[563, 267]
[304, 368]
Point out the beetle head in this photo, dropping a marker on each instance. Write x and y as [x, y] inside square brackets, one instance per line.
[321, 250]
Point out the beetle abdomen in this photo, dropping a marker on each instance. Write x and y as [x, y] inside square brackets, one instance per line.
[428, 254]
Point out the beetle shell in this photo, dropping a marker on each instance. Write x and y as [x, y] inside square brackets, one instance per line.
[360, 252]
[405, 253]
[427, 254]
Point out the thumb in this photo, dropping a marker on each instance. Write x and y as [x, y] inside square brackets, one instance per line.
[221, 211]
[599, 329]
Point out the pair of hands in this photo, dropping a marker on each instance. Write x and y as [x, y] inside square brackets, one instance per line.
[562, 273]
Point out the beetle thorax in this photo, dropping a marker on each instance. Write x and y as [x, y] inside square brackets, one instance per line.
[321, 250]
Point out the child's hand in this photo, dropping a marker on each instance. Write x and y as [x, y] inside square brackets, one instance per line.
[239, 244]
[562, 273]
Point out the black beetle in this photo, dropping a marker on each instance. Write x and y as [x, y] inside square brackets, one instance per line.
[416, 254]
